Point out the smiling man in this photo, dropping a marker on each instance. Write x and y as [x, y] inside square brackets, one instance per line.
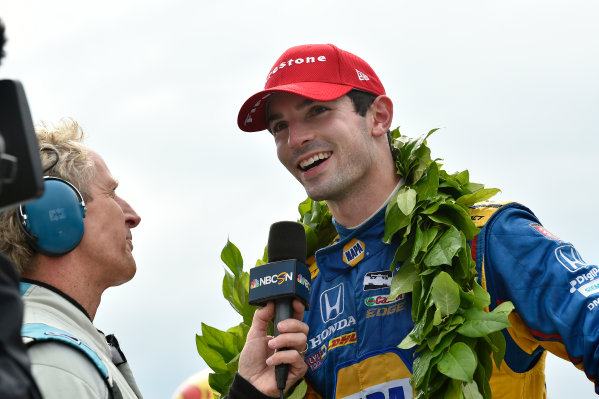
[330, 117]
[69, 247]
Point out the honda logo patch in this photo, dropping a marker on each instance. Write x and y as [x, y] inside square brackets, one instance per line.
[569, 257]
[331, 303]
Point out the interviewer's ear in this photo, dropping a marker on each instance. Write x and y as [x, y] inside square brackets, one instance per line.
[382, 115]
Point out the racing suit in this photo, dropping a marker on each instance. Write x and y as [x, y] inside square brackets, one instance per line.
[355, 326]
[70, 358]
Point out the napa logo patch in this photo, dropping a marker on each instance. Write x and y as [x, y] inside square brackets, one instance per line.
[353, 252]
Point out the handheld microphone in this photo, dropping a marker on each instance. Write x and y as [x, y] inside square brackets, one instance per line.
[283, 278]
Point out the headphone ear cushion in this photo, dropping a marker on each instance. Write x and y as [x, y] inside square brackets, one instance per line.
[55, 221]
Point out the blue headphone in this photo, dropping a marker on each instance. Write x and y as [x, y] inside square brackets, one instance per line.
[53, 224]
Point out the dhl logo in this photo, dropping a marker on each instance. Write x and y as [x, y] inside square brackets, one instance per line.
[346, 339]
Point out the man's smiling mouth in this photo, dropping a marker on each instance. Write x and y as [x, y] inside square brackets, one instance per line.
[314, 160]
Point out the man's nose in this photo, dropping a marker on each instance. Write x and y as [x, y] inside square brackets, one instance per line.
[300, 134]
[132, 219]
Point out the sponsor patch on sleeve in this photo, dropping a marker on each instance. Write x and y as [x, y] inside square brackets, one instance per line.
[569, 257]
[544, 231]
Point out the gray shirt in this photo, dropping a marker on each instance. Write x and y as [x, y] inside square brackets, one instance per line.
[63, 371]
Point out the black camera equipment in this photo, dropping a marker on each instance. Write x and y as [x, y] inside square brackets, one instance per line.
[20, 181]
[20, 166]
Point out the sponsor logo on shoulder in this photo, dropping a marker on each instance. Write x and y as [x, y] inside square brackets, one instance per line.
[593, 305]
[587, 284]
[353, 252]
[544, 231]
[377, 280]
[69, 337]
[584, 280]
[569, 257]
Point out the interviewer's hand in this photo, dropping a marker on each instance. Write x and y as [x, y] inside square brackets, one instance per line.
[258, 358]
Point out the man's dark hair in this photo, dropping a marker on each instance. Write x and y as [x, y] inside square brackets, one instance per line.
[362, 100]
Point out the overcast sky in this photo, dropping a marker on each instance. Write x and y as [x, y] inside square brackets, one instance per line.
[157, 86]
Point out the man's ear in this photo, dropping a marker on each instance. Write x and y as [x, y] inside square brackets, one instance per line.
[382, 115]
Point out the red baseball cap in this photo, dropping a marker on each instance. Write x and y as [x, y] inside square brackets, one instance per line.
[320, 72]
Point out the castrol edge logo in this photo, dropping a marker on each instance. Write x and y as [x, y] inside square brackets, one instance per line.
[380, 300]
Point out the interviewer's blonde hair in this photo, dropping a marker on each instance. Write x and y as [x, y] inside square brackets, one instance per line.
[74, 165]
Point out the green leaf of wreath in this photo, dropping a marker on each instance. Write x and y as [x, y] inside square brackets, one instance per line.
[406, 200]
[445, 293]
[458, 363]
[445, 249]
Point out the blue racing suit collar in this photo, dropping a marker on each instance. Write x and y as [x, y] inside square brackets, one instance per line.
[346, 233]
[352, 247]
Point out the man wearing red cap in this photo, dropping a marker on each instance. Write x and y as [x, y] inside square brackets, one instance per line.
[330, 118]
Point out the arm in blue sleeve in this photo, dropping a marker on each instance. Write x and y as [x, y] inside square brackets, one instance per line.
[554, 291]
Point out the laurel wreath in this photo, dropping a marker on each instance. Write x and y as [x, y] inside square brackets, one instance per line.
[456, 338]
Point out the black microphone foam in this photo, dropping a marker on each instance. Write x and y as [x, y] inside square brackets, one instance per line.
[286, 240]
[283, 278]
[285, 275]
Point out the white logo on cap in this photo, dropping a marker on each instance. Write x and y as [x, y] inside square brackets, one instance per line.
[297, 61]
[248, 118]
[362, 76]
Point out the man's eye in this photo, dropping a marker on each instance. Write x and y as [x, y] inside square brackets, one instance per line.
[318, 109]
[277, 127]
